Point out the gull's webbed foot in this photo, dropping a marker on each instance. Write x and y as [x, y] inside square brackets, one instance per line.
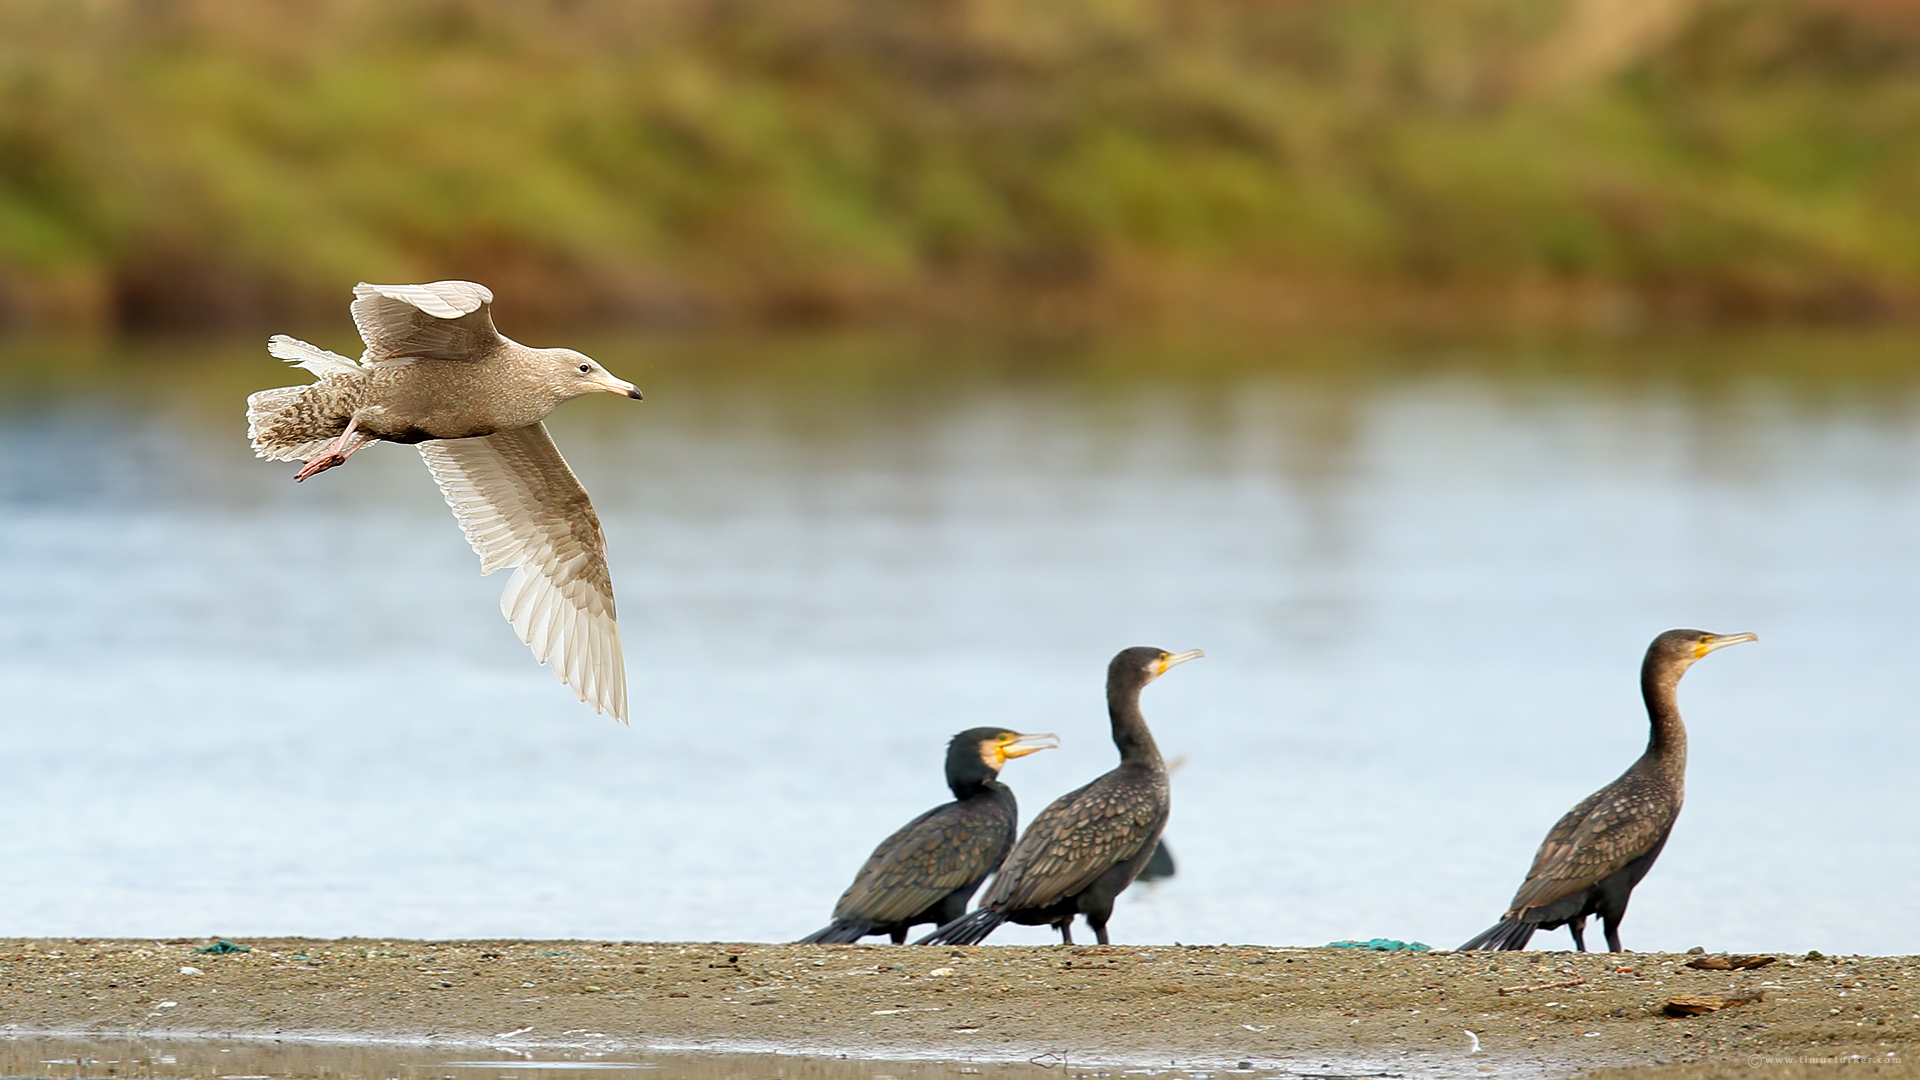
[320, 464]
[343, 447]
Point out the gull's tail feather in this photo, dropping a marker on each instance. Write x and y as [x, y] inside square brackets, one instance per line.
[283, 424]
[1505, 935]
[969, 929]
[838, 932]
[294, 423]
[312, 357]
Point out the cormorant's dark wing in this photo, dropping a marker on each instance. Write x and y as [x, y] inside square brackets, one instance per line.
[1082, 835]
[946, 848]
[1597, 839]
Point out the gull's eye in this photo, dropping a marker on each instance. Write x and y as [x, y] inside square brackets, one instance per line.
[584, 368]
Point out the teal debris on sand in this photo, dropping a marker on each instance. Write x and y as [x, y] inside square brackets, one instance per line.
[223, 947]
[1380, 944]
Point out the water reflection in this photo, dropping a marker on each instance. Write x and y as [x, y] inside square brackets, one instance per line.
[179, 1059]
[1423, 575]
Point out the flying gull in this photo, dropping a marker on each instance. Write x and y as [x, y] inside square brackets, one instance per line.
[436, 373]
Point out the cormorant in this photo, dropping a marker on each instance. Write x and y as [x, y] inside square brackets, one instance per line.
[1089, 845]
[1160, 864]
[927, 870]
[1590, 862]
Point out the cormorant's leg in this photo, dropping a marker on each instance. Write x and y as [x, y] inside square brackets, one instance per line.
[1065, 926]
[343, 448]
[1579, 927]
[1097, 913]
[1611, 924]
[900, 935]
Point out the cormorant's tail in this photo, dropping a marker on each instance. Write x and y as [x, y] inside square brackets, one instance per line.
[1505, 935]
[969, 929]
[838, 932]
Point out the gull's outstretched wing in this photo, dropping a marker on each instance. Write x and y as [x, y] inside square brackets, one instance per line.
[521, 507]
[441, 320]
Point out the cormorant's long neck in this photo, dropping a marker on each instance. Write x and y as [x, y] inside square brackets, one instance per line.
[1667, 744]
[1130, 732]
[973, 787]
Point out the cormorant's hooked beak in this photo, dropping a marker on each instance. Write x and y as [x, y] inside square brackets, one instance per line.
[1720, 641]
[1029, 744]
[1161, 665]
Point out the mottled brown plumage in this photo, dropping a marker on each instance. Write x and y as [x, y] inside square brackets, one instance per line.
[294, 423]
[1088, 845]
[929, 868]
[1595, 855]
[435, 372]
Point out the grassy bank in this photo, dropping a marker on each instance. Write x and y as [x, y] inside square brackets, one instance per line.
[225, 162]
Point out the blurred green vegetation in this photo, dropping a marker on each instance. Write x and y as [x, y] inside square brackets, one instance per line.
[197, 162]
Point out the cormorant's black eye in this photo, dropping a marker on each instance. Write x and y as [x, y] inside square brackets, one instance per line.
[584, 368]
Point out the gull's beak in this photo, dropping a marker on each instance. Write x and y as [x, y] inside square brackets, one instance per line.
[620, 386]
[1029, 744]
[1160, 666]
[1721, 641]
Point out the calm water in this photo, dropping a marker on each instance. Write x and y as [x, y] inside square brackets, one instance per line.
[1423, 575]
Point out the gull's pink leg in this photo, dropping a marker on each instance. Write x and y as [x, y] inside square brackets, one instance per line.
[337, 454]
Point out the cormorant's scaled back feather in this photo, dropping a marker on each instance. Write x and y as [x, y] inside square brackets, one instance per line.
[1599, 837]
[1078, 837]
[952, 846]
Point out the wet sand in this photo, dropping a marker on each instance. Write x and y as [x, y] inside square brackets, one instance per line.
[1219, 1007]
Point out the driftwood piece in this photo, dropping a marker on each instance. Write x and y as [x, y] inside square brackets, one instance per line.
[1729, 963]
[1695, 1004]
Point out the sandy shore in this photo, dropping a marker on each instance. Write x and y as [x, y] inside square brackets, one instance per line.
[1219, 1006]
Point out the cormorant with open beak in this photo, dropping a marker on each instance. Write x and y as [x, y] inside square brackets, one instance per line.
[1089, 845]
[928, 870]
